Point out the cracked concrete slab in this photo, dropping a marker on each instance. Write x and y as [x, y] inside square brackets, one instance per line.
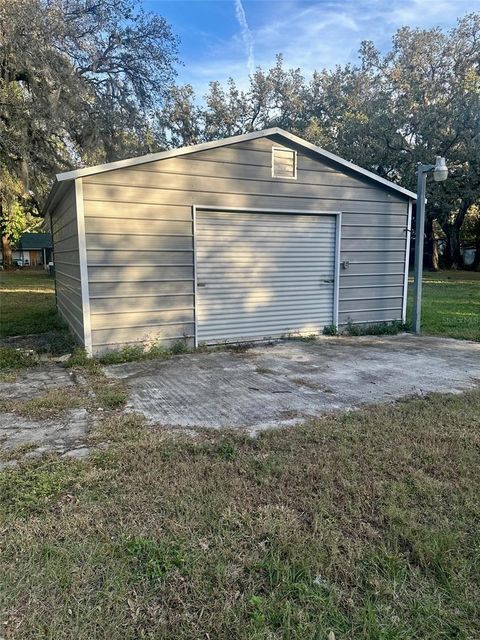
[289, 381]
[35, 382]
[66, 435]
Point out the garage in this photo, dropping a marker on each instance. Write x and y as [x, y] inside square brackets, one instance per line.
[263, 275]
[250, 237]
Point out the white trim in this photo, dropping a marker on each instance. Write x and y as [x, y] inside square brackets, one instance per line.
[408, 232]
[195, 315]
[338, 233]
[385, 273]
[336, 286]
[368, 310]
[215, 207]
[369, 322]
[295, 160]
[82, 257]
[162, 155]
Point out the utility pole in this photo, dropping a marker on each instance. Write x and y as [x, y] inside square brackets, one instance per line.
[440, 173]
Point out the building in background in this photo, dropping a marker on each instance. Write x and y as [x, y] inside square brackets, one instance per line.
[33, 250]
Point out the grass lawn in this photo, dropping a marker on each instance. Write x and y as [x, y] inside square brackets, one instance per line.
[27, 303]
[365, 524]
[451, 304]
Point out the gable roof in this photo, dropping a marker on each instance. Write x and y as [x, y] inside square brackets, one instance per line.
[35, 241]
[289, 137]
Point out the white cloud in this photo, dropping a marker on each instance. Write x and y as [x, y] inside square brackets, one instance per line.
[429, 13]
[246, 35]
[312, 35]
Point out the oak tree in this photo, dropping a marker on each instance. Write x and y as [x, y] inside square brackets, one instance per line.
[80, 81]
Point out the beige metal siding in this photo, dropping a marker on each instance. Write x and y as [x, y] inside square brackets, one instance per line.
[252, 283]
[140, 266]
[139, 234]
[67, 261]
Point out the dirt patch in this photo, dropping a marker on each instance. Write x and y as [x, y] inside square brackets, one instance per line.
[50, 409]
[31, 383]
[311, 384]
[27, 437]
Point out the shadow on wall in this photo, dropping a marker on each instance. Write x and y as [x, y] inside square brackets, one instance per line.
[267, 272]
[139, 293]
[140, 245]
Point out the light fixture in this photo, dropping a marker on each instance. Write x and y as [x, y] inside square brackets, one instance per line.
[440, 172]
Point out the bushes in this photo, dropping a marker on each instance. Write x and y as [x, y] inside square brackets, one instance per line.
[130, 353]
[11, 359]
[377, 329]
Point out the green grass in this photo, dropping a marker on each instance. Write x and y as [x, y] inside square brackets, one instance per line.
[96, 392]
[365, 524]
[27, 303]
[111, 397]
[11, 359]
[451, 304]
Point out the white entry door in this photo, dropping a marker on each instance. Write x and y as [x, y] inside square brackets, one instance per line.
[262, 275]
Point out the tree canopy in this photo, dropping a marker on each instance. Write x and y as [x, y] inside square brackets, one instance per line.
[88, 81]
[386, 113]
[80, 81]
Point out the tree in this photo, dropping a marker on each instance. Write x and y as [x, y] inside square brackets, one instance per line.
[419, 100]
[179, 123]
[387, 113]
[273, 98]
[80, 81]
[15, 217]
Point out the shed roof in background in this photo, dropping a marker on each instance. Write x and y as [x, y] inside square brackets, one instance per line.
[33, 241]
[275, 131]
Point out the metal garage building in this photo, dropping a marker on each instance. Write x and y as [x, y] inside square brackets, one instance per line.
[249, 237]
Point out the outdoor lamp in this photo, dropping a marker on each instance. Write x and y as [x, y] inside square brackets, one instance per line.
[440, 173]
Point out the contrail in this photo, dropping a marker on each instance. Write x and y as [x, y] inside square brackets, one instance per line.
[246, 35]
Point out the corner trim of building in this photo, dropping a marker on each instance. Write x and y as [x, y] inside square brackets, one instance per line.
[408, 233]
[338, 250]
[82, 256]
[195, 313]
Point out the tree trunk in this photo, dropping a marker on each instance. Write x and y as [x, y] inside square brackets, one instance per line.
[6, 248]
[430, 260]
[453, 255]
[6, 252]
[476, 260]
[435, 256]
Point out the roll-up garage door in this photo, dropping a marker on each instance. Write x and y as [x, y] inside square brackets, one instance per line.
[263, 275]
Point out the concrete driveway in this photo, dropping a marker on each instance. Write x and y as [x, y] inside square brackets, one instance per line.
[289, 381]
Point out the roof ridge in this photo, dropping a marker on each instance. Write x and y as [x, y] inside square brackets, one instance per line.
[180, 151]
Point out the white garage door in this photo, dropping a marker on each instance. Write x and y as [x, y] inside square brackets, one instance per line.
[263, 275]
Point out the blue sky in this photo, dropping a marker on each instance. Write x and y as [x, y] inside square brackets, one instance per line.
[222, 38]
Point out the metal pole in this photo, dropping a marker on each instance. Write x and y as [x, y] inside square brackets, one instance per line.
[422, 171]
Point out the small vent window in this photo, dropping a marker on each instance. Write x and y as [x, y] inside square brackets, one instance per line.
[284, 163]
